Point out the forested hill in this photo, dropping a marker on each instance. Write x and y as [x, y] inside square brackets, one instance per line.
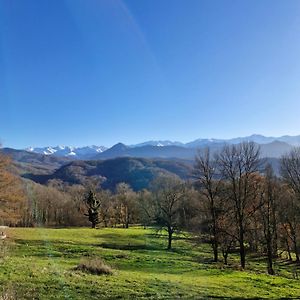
[137, 172]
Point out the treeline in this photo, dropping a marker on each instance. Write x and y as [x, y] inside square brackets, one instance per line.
[234, 202]
[245, 206]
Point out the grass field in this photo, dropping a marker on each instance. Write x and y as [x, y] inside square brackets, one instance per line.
[38, 263]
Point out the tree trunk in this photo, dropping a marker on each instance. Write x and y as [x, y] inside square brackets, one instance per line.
[170, 233]
[242, 255]
[242, 250]
[225, 255]
[296, 251]
[288, 250]
[275, 247]
[214, 232]
[270, 265]
[215, 249]
[270, 257]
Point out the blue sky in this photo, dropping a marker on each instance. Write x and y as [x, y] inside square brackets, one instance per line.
[80, 72]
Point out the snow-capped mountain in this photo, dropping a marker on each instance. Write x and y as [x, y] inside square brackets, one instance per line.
[67, 151]
[271, 146]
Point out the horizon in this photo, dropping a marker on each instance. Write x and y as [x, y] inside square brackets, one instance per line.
[152, 140]
[82, 73]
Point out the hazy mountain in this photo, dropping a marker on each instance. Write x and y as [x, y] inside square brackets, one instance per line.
[204, 143]
[256, 138]
[292, 140]
[273, 149]
[120, 150]
[158, 143]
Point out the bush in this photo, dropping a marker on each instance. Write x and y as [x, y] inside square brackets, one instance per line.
[94, 266]
[8, 293]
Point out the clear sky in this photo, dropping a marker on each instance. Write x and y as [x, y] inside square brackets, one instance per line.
[81, 72]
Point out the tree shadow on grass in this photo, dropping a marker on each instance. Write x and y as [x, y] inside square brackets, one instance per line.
[53, 248]
[118, 236]
[130, 247]
[287, 262]
[248, 298]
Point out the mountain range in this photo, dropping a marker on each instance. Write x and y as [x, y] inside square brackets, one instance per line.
[136, 165]
[270, 147]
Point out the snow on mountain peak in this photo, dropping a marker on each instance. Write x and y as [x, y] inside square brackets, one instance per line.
[76, 152]
[90, 152]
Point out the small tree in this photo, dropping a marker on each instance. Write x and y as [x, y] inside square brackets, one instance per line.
[146, 209]
[169, 192]
[106, 209]
[126, 199]
[93, 206]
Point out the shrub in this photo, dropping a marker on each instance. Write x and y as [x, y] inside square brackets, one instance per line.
[8, 293]
[94, 266]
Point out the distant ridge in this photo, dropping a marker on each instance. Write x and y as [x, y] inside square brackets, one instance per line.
[271, 147]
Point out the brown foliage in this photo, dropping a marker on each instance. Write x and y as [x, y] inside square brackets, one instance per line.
[11, 194]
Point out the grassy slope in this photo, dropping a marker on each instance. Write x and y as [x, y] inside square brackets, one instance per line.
[39, 265]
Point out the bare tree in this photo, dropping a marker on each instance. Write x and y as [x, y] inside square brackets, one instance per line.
[208, 178]
[238, 164]
[126, 198]
[268, 215]
[289, 214]
[169, 192]
[106, 207]
[290, 171]
[227, 237]
[146, 208]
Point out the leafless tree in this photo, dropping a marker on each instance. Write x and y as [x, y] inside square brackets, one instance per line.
[268, 211]
[290, 171]
[126, 199]
[238, 164]
[206, 172]
[169, 193]
[146, 208]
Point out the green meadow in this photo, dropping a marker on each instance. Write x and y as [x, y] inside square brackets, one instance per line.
[39, 263]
